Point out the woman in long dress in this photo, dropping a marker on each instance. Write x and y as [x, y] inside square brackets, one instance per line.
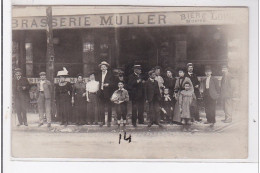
[80, 101]
[179, 86]
[63, 97]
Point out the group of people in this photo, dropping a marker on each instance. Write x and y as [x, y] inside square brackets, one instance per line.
[169, 99]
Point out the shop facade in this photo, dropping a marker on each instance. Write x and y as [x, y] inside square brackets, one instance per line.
[168, 39]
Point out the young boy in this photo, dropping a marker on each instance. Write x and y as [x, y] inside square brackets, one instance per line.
[120, 97]
[167, 104]
[185, 99]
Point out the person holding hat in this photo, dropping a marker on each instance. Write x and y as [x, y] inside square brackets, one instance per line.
[180, 86]
[153, 98]
[44, 99]
[92, 89]
[194, 79]
[106, 80]
[120, 98]
[227, 94]
[210, 92]
[136, 90]
[21, 96]
[79, 100]
[63, 97]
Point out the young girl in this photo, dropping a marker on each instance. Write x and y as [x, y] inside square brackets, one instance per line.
[185, 99]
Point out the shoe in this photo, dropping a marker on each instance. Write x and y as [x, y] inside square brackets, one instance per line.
[224, 120]
[228, 121]
[108, 124]
[39, 125]
[101, 124]
[96, 123]
[118, 125]
[25, 124]
[124, 124]
[18, 125]
[49, 125]
[134, 125]
[160, 125]
[61, 124]
[150, 124]
[206, 122]
[212, 124]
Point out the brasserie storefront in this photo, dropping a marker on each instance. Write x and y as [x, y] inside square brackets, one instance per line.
[165, 38]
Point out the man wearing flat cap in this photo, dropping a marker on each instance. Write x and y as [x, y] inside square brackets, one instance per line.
[106, 81]
[195, 82]
[136, 90]
[44, 99]
[21, 96]
[153, 98]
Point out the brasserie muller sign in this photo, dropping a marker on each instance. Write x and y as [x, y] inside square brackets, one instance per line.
[131, 20]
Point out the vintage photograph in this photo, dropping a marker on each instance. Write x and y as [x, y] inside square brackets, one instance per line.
[129, 82]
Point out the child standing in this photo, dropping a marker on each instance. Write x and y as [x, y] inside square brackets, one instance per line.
[167, 104]
[185, 99]
[120, 97]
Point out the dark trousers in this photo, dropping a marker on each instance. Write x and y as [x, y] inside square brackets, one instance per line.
[105, 103]
[21, 107]
[210, 108]
[121, 111]
[80, 110]
[92, 108]
[154, 112]
[137, 111]
[195, 110]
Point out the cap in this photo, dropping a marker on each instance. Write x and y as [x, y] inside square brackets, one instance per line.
[137, 67]
[42, 73]
[103, 63]
[189, 64]
[17, 70]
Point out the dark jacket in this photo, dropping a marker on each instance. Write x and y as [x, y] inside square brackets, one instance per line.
[152, 91]
[107, 91]
[136, 90]
[18, 91]
[170, 83]
[214, 88]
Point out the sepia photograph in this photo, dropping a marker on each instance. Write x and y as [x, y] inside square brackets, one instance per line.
[129, 82]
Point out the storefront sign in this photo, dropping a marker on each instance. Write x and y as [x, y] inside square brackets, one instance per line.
[133, 20]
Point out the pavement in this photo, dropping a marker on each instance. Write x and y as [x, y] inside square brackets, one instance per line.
[224, 141]
[56, 127]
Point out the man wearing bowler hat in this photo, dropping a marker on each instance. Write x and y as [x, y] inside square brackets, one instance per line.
[211, 92]
[106, 81]
[21, 96]
[195, 82]
[136, 89]
[44, 99]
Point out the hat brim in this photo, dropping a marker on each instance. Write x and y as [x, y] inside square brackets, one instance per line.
[104, 64]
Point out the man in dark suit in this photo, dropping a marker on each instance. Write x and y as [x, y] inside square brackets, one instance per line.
[21, 96]
[227, 94]
[44, 99]
[195, 82]
[136, 90]
[211, 92]
[106, 83]
[153, 97]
